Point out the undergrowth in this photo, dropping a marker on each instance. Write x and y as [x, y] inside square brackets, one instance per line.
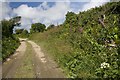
[86, 45]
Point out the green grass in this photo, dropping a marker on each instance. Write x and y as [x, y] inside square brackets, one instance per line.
[81, 44]
[26, 69]
[53, 46]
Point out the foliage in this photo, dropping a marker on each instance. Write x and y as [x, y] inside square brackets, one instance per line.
[50, 26]
[19, 31]
[9, 42]
[22, 33]
[25, 32]
[8, 25]
[37, 27]
[82, 44]
[9, 46]
[72, 21]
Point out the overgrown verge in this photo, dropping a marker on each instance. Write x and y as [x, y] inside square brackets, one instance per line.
[21, 33]
[9, 41]
[86, 45]
[9, 45]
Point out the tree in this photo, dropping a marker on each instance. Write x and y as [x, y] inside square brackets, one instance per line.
[25, 32]
[37, 27]
[8, 25]
[50, 26]
[22, 33]
[19, 31]
[9, 41]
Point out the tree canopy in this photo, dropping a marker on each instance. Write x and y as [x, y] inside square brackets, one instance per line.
[9, 41]
[37, 27]
[50, 26]
[19, 31]
[8, 25]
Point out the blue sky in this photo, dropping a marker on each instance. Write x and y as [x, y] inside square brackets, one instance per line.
[32, 4]
[45, 12]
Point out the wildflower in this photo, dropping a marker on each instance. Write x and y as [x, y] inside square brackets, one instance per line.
[105, 65]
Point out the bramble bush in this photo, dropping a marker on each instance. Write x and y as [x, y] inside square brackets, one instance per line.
[94, 40]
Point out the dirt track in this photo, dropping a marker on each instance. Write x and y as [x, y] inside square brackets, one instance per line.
[44, 66]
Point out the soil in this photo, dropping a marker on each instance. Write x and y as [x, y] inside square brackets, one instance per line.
[44, 66]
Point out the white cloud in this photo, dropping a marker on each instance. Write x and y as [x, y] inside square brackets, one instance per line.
[43, 13]
[93, 4]
[25, 11]
[5, 11]
[25, 23]
[44, 5]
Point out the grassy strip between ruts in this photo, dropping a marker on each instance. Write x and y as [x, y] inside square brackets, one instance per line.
[26, 69]
[53, 47]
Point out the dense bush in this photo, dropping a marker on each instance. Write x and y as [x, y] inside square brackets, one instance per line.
[9, 46]
[37, 27]
[22, 33]
[95, 43]
[93, 38]
[50, 26]
[9, 42]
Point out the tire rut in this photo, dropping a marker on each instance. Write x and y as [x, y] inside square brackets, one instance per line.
[9, 67]
[45, 67]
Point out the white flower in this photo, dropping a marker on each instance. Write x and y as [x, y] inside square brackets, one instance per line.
[105, 65]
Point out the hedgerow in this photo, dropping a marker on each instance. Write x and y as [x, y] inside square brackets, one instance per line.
[9, 41]
[94, 40]
[9, 46]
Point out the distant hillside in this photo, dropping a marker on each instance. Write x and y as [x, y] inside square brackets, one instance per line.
[86, 45]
